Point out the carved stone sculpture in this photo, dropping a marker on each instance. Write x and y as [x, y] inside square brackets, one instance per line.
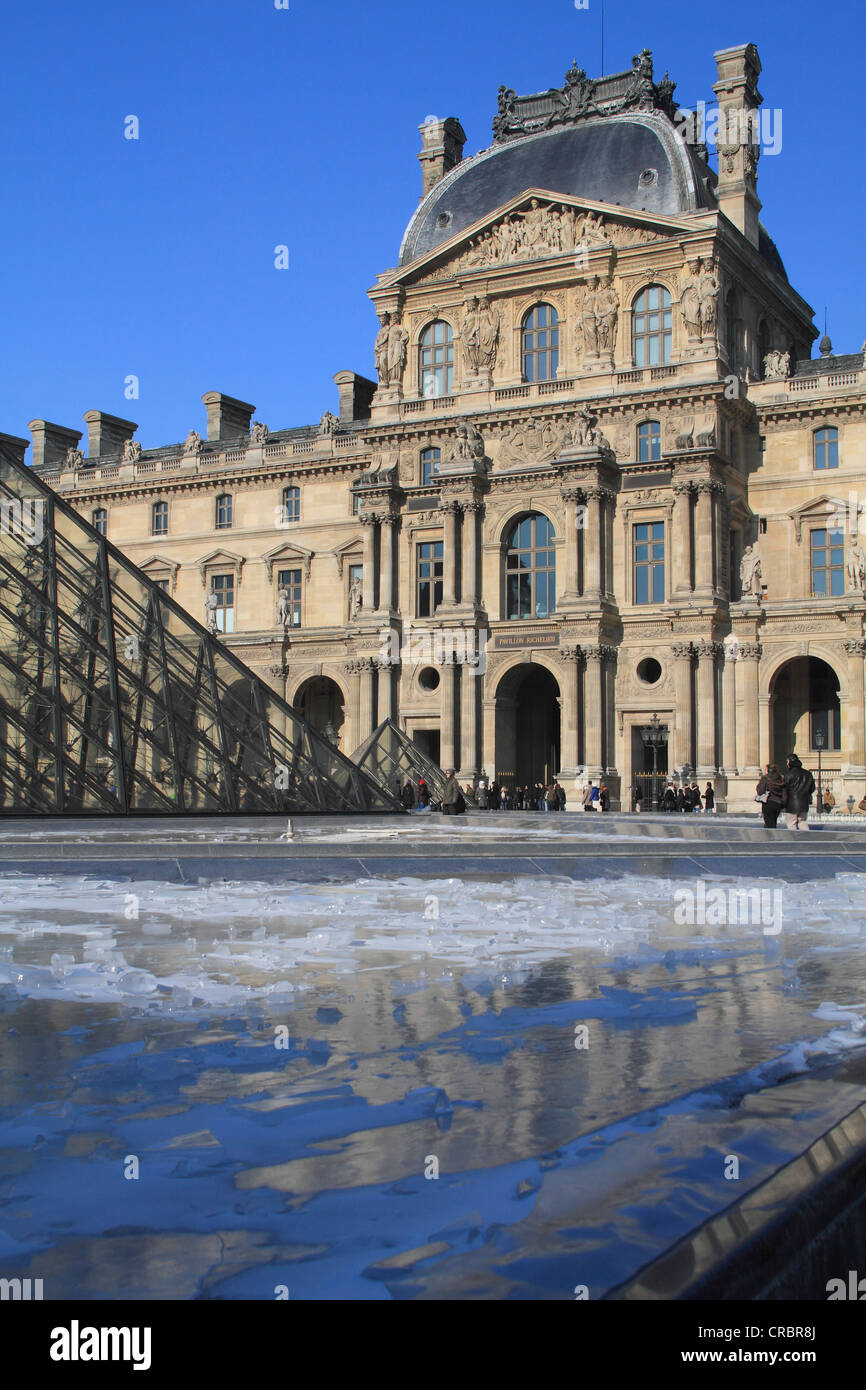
[777, 366]
[259, 433]
[328, 424]
[750, 574]
[210, 609]
[606, 307]
[355, 598]
[381, 349]
[282, 605]
[131, 452]
[856, 568]
[708, 291]
[488, 334]
[690, 299]
[397, 340]
[74, 458]
[586, 320]
[192, 445]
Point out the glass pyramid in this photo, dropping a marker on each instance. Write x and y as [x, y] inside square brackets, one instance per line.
[391, 758]
[113, 700]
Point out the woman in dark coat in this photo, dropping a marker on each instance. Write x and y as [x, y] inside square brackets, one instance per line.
[800, 786]
[604, 798]
[709, 798]
[453, 800]
[407, 796]
[771, 785]
[669, 800]
[680, 799]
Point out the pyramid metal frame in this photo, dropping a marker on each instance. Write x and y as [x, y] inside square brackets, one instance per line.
[390, 754]
[113, 700]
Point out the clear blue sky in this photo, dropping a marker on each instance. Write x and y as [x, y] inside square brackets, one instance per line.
[262, 126]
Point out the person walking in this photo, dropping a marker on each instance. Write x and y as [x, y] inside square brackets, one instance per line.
[636, 796]
[493, 802]
[670, 798]
[483, 791]
[503, 798]
[679, 799]
[770, 791]
[560, 796]
[800, 787]
[695, 797]
[604, 798]
[551, 798]
[709, 798]
[453, 800]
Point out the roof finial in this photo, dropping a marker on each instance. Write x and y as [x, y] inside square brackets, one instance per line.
[825, 347]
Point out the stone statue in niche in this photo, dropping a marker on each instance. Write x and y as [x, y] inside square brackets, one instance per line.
[777, 366]
[857, 570]
[587, 324]
[397, 340]
[381, 349]
[708, 290]
[470, 332]
[282, 605]
[211, 604]
[690, 299]
[606, 308]
[750, 574]
[488, 334]
[355, 598]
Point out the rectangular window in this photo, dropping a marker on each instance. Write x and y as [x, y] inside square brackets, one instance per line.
[649, 562]
[162, 584]
[429, 465]
[223, 587]
[223, 512]
[159, 519]
[828, 564]
[290, 580]
[430, 568]
[827, 448]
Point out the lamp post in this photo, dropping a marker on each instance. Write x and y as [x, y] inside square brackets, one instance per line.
[655, 736]
[819, 744]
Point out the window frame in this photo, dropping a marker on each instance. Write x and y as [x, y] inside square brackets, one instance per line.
[827, 569]
[651, 564]
[225, 500]
[427, 478]
[99, 520]
[222, 609]
[159, 511]
[653, 439]
[290, 503]
[441, 372]
[530, 357]
[285, 577]
[517, 571]
[827, 446]
[641, 337]
[433, 584]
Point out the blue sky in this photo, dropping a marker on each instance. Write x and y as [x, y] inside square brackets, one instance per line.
[261, 127]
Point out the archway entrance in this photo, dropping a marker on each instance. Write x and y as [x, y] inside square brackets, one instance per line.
[320, 702]
[805, 701]
[527, 726]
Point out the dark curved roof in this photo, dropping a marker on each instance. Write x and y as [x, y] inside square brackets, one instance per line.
[601, 160]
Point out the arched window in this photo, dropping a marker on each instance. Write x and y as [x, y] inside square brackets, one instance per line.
[99, 520]
[540, 343]
[429, 465]
[530, 568]
[436, 359]
[223, 511]
[827, 448]
[653, 327]
[159, 519]
[649, 441]
[291, 509]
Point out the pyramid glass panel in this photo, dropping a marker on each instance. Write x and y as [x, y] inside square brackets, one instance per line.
[391, 758]
[113, 700]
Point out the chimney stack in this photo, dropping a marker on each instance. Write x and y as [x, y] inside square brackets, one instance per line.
[442, 148]
[356, 393]
[106, 434]
[737, 141]
[50, 442]
[13, 447]
[227, 417]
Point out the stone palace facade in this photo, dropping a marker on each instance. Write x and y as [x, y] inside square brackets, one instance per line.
[600, 476]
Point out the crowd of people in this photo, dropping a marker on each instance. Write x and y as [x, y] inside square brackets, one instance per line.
[673, 798]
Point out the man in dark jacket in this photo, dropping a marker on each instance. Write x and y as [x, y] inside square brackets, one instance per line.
[800, 788]
[407, 796]
[453, 800]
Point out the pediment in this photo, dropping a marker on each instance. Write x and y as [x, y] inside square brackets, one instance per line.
[819, 509]
[160, 567]
[537, 225]
[289, 550]
[341, 551]
[219, 557]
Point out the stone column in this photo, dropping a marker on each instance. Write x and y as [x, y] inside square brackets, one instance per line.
[369, 521]
[385, 689]
[729, 713]
[748, 756]
[571, 496]
[592, 545]
[469, 692]
[856, 649]
[571, 658]
[470, 552]
[386, 574]
[608, 697]
[367, 668]
[723, 582]
[447, 749]
[704, 575]
[706, 709]
[681, 541]
[449, 555]
[608, 501]
[593, 709]
[352, 736]
[682, 739]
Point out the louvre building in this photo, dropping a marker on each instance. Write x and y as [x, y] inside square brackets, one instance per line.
[599, 476]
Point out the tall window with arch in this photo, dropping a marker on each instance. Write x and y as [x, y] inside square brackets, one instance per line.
[291, 507]
[436, 359]
[429, 465]
[530, 568]
[649, 441]
[540, 343]
[826, 447]
[652, 320]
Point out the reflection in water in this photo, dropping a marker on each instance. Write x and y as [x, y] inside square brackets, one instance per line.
[286, 1064]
